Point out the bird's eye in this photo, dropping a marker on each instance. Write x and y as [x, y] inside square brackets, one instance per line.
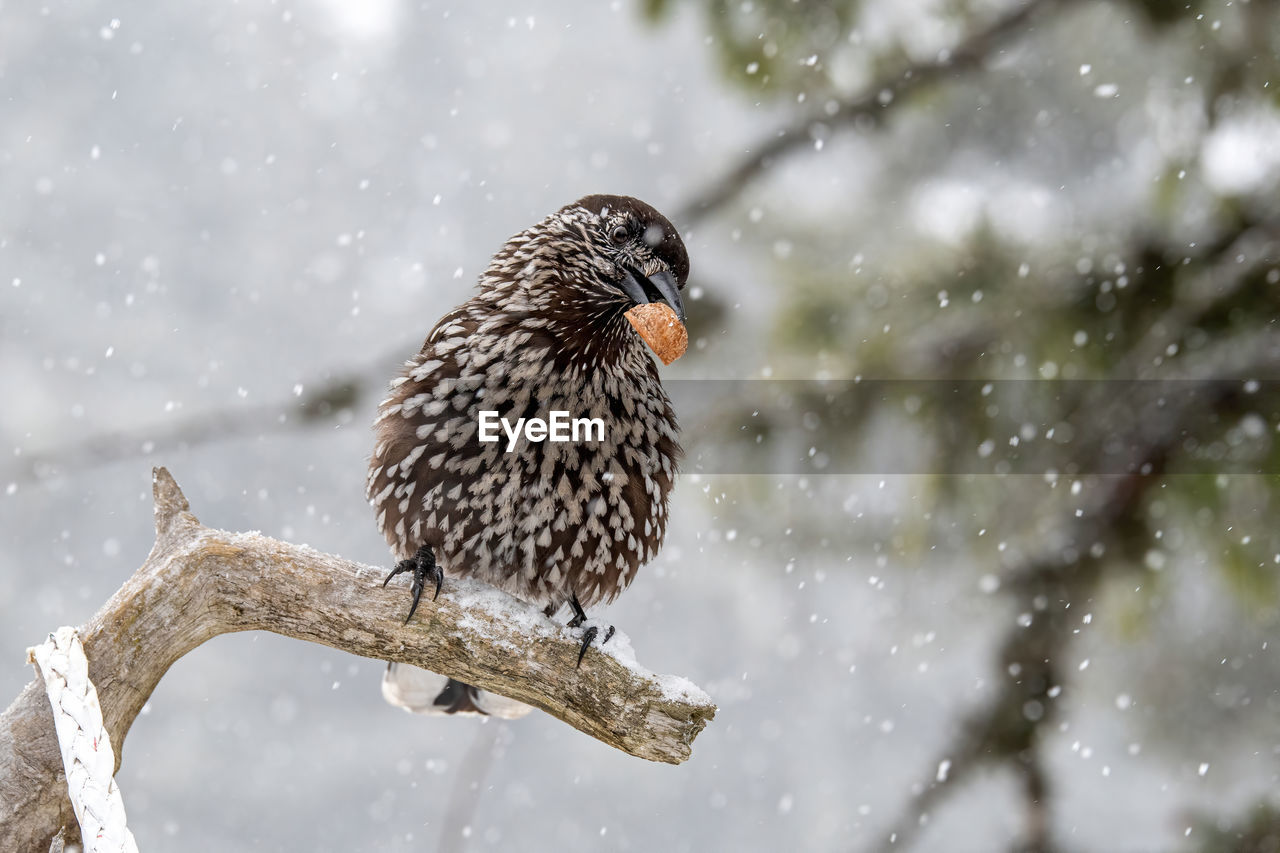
[619, 234]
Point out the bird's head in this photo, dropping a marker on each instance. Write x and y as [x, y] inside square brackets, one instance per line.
[576, 273]
[636, 254]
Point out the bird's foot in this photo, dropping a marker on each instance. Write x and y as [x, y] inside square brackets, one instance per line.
[589, 636]
[424, 568]
[590, 632]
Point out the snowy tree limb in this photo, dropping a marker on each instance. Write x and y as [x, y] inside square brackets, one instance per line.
[200, 582]
[1001, 731]
[869, 105]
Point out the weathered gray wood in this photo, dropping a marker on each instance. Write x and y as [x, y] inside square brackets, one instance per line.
[199, 582]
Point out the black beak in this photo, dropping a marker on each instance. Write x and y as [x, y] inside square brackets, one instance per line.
[659, 287]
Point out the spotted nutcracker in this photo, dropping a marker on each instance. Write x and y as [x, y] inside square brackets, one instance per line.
[553, 523]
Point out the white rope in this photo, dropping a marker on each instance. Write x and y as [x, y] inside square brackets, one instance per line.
[86, 747]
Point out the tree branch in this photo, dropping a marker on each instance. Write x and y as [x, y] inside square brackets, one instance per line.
[1002, 732]
[199, 582]
[869, 105]
[319, 406]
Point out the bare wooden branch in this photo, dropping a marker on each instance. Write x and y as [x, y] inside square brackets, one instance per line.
[199, 582]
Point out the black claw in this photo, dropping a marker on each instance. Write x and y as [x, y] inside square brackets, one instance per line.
[587, 636]
[424, 568]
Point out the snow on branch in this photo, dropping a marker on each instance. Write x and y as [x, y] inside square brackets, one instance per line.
[199, 582]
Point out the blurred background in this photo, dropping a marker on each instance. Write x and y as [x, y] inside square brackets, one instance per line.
[933, 621]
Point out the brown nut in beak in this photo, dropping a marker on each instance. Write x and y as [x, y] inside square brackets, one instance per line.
[661, 329]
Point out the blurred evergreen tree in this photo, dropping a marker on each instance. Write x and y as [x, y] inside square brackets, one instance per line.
[889, 191]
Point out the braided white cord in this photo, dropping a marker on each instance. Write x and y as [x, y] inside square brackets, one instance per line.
[86, 747]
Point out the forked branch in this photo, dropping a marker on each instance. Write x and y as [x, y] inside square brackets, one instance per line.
[199, 582]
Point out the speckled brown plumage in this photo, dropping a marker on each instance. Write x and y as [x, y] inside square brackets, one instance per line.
[546, 331]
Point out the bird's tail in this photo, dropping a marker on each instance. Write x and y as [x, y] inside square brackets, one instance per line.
[424, 692]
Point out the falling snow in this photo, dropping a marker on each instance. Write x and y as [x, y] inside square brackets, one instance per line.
[228, 223]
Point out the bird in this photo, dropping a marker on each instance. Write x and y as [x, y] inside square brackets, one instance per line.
[555, 524]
